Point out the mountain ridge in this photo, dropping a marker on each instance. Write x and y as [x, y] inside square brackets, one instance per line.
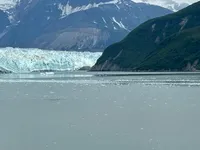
[76, 25]
[174, 5]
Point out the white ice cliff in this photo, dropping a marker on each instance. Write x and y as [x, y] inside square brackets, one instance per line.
[19, 60]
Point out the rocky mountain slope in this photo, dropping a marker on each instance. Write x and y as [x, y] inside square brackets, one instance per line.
[75, 24]
[4, 21]
[171, 42]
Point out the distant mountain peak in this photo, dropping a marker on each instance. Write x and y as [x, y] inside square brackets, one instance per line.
[174, 5]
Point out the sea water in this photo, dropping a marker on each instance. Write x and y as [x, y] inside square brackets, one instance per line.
[100, 111]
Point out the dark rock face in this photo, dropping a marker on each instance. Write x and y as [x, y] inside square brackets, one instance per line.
[169, 43]
[76, 24]
[3, 21]
[85, 68]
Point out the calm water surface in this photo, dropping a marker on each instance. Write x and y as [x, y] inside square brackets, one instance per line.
[100, 111]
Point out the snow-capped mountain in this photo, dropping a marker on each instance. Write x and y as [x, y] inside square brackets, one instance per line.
[173, 5]
[75, 24]
[8, 4]
[8, 7]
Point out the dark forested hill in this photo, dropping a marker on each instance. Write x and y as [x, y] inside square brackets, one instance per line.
[171, 42]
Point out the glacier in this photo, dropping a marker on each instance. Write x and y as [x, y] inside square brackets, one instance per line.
[18, 60]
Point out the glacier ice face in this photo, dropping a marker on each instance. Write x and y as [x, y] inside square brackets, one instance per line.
[20, 60]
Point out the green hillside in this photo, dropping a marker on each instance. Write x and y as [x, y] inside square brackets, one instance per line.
[171, 42]
[177, 52]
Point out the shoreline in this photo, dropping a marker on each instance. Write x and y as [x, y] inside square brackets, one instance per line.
[108, 73]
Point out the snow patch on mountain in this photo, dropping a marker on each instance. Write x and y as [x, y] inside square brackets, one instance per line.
[68, 9]
[120, 24]
[8, 4]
